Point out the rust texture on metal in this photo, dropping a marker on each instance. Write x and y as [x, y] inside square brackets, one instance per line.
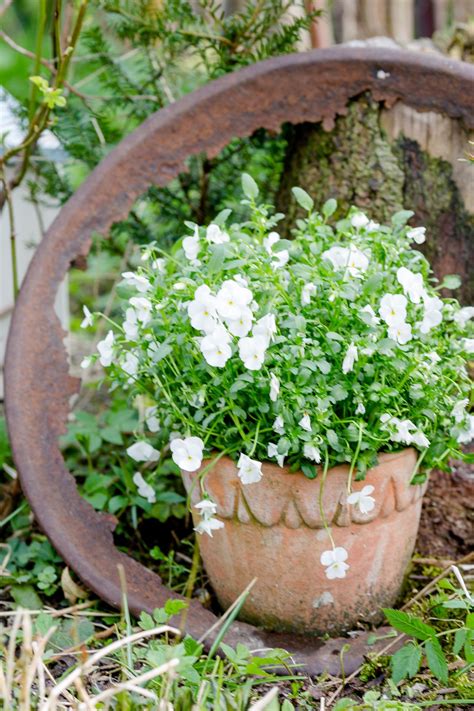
[314, 86]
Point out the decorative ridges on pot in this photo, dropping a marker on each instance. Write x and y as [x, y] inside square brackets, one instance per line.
[291, 500]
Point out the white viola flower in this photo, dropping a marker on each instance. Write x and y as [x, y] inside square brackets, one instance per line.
[144, 489]
[433, 315]
[272, 452]
[279, 425]
[350, 358]
[187, 453]
[215, 347]
[359, 220]
[334, 561]
[215, 235]
[274, 387]
[142, 451]
[305, 422]
[208, 525]
[249, 470]
[420, 439]
[350, 258]
[362, 499]
[372, 226]
[206, 508]
[400, 332]
[159, 265]
[280, 258]
[266, 328]
[417, 234]
[459, 410]
[467, 435]
[106, 349]
[88, 319]
[433, 357]
[393, 308]
[241, 325]
[138, 281]
[202, 310]
[461, 317]
[468, 345]
[232, 298]
[374, 319]
[179, 286]
[191, 248]
[130, 364]
[130, 325]
[312, 453]
[360, 409]
[143, 307]
[152, 421]
[412, 284]
[307, 291]
[86, 362]
[269, 241]
[252, 351]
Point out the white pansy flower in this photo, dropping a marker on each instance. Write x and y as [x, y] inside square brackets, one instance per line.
[350, 258]
[307, 291]
[400, 332]
[279, 425]
[359, 220]
[215, 347]
[139, 282]
[187, 453]
[360, 409]
[417, 234]
[272, 452]
[433, 315]
[373, 318]
[208, 525]
[312, 453]
[362, 499]
[467, 435]
[305, 422]
[130, 364]
[241, 325]
[106, 349]
[420, 439]
[142, 451]
[334, 561]
[215, 235]
[159, 265]
[143, 307]
[412, 284]
[433, 357]
[252, 351]
[88, 319]
[461, 317]
[232, 298]
[202, 310]
[393, 308]
[144, 489]
[350, 358]
[372, 226]
[206, 508]
[152, 421]
[274, 387]
[280, 258]
[249, 470]
[191, 248]
[86, 362]
[459, 410]
[130, 325]
[269, 241]
[468, 345]
[265, 327]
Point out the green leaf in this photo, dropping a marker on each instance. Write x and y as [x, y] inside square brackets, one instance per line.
[249, 186]
[303, 199]
[309, 470]
[451, 281]
[459, 639]
[329, 207]
[25, 596]
[215, 263]
[408, 624]
[161, 352]
[436, 659]
[405, 662]
[401, 218]
[344, 704]
[173, 607]
[111, 435]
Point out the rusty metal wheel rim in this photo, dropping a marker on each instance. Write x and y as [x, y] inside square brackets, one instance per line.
[314, 86]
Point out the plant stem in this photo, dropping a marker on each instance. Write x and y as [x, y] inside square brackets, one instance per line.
[11, 217]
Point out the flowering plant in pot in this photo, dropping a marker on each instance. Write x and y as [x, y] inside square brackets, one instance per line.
[304, 388]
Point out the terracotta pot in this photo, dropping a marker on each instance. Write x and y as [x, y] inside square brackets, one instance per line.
[273, 532]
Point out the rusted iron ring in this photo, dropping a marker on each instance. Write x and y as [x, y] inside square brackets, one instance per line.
[315, 86]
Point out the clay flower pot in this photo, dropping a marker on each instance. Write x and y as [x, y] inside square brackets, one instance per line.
[273, 532]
